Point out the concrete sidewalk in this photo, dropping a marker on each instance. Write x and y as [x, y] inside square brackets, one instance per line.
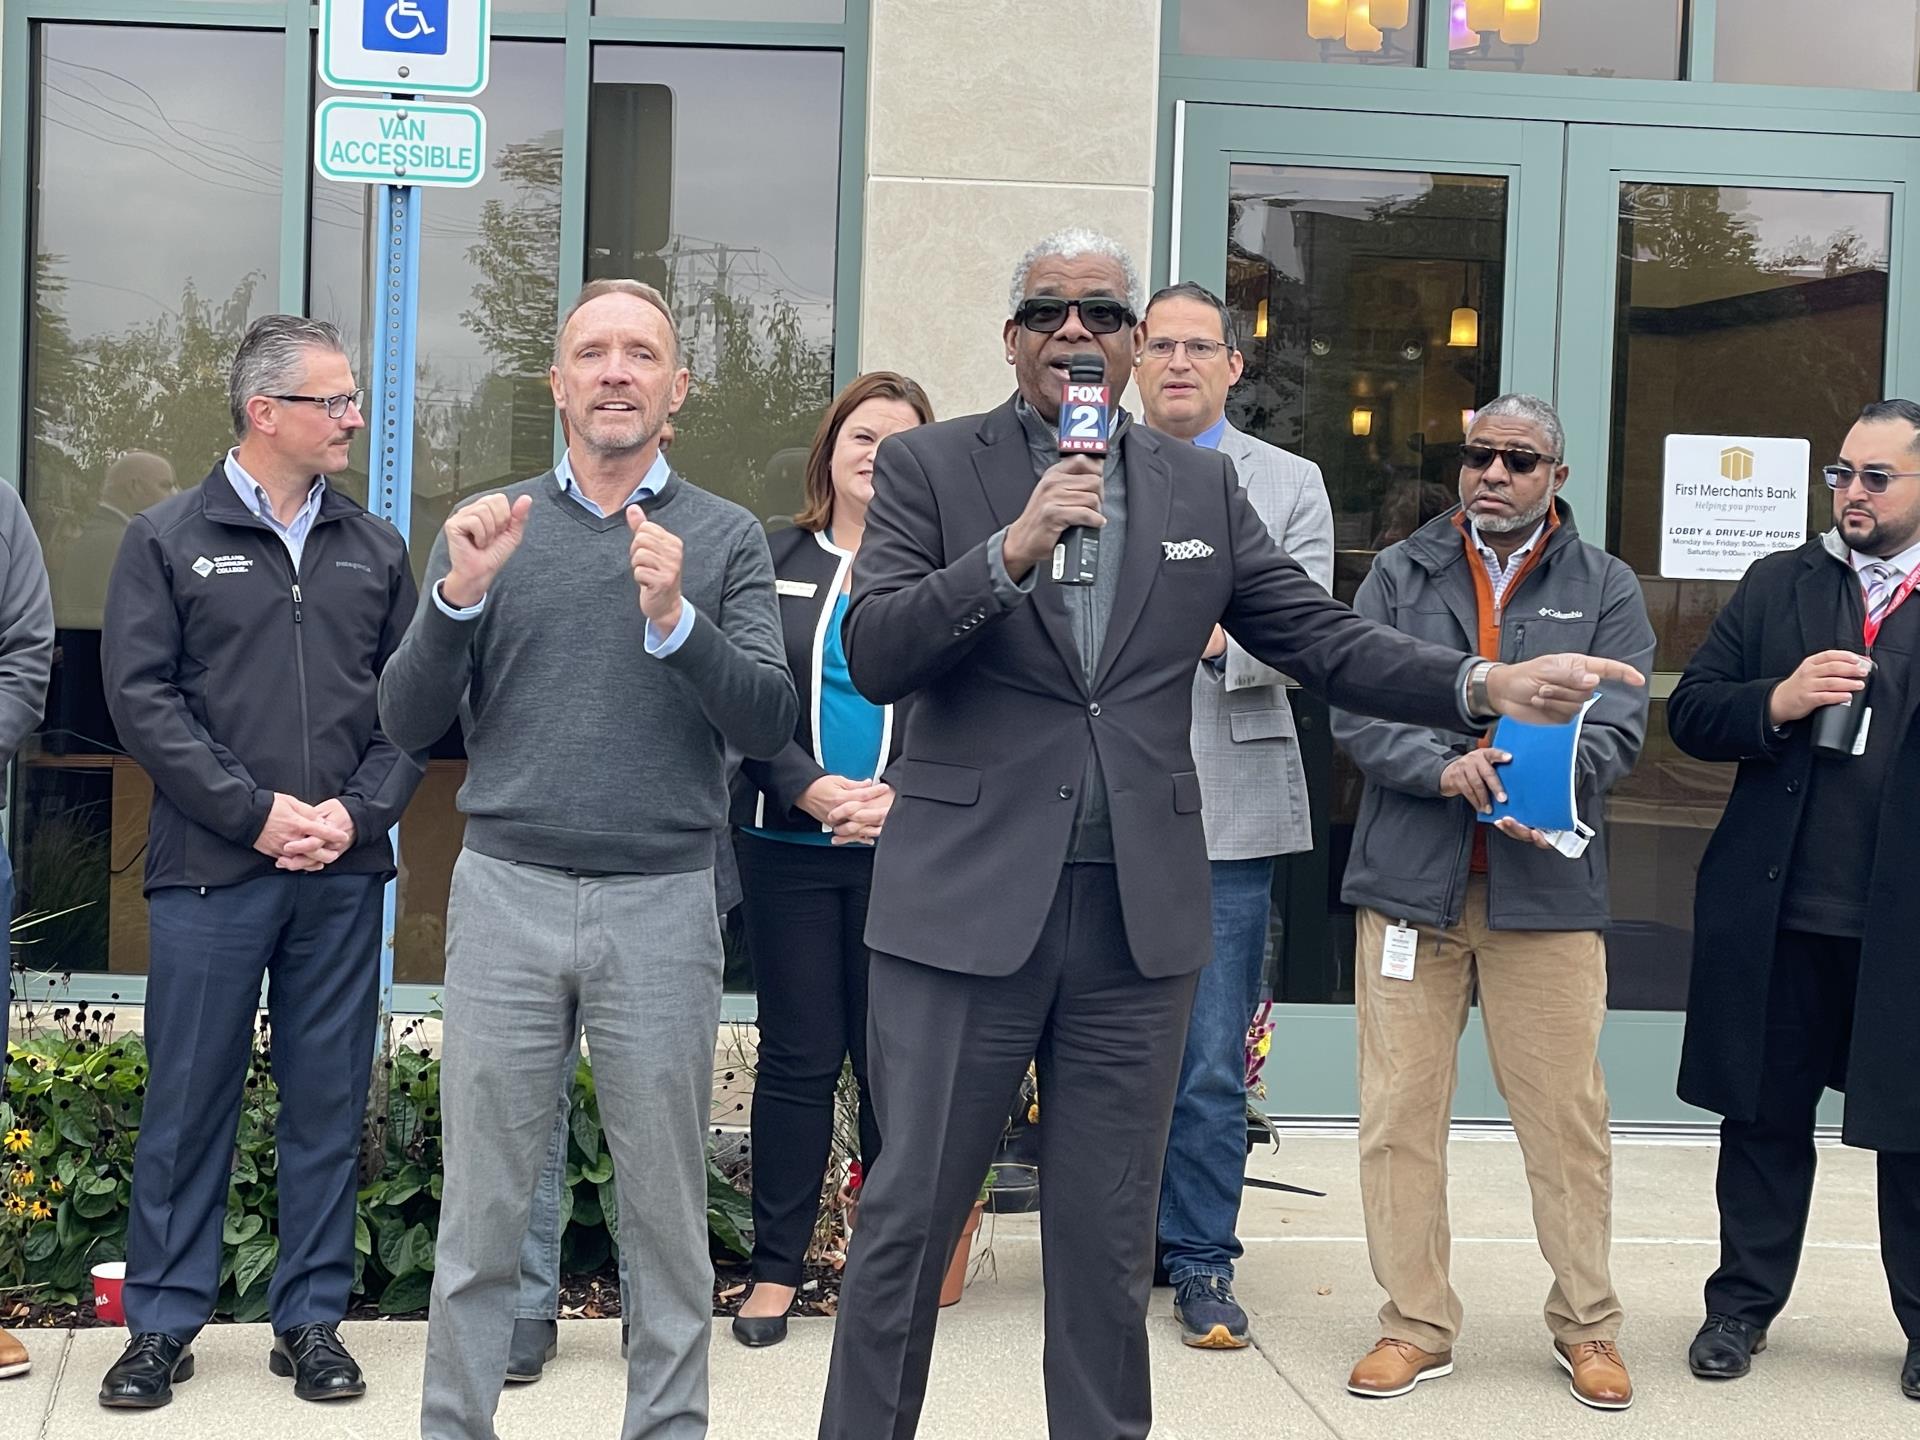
[1832, 1368]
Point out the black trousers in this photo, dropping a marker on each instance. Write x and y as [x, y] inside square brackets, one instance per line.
[316, 939]
[949, 1051]
[1765, 1183]
[805, 912]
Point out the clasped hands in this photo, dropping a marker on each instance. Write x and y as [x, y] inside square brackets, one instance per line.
[305, 837]
[855, 810]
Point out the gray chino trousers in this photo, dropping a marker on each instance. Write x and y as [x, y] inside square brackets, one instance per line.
[535, 955]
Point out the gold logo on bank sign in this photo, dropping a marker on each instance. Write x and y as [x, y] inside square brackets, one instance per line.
[1736, 463]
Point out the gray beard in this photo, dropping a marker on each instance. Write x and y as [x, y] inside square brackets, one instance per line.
[1519, 520]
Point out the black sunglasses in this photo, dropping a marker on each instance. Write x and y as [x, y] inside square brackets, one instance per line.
[1044, 314]
[1839, 477]
[1519, 462]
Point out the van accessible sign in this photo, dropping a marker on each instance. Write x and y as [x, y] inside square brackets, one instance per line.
[406, 47]
[399, 142]
[1730, 499]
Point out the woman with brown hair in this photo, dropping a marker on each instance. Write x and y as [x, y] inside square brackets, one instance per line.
[807, 822]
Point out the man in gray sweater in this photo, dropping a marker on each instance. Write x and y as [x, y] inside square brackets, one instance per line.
[596, 730]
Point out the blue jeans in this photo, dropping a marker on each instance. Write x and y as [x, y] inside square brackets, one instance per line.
[1207, 1145]
[540, 1252]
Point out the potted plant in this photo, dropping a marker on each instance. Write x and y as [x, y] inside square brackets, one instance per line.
[955, 1285]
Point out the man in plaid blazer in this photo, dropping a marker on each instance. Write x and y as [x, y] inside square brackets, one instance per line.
[1254, 791]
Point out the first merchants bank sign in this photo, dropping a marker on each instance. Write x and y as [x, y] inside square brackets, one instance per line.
[1728, 500]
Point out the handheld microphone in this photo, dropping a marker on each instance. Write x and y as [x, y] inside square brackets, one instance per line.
[1086, 423]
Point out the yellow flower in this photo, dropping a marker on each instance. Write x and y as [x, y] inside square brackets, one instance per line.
[54, 1187]
[39, 1210]
[17, 1142]
[1265, 1044]
[13, 1204]
[23, 1177]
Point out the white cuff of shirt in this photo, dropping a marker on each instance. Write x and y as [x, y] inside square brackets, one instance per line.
[472, 612]
[659, 647]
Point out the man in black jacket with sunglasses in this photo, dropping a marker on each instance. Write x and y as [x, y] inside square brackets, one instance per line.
[1042, 888]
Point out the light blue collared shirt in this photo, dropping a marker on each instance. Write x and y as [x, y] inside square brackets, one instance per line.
[254, 496]
[1210, 438]
[651, 484]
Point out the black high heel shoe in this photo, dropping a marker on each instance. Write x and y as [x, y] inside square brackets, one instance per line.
[757, 1332]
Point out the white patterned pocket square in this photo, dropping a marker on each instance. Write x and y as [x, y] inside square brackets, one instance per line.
[1186, 549]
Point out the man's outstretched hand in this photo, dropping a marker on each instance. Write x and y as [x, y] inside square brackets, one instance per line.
[1550, 689]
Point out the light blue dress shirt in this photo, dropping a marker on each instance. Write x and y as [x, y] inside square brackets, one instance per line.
[254, 496]
[1209, 438]
[651, 484]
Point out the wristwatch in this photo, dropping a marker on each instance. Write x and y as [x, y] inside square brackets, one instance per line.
[1479, 704]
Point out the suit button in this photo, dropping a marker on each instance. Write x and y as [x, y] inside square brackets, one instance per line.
[1094, 708]
[1793, 787]
[1066, 792]
[1773, 872]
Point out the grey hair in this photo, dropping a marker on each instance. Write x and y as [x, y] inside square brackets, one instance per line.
[1066, 244]
[272, 359]
[1533, 410]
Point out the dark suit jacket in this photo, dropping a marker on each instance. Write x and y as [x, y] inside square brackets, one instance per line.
[1785, 609]
[997, 739]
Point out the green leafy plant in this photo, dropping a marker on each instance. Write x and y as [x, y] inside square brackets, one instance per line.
[72, 1114]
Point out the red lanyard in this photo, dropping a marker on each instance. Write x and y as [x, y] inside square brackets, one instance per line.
[1872, 627]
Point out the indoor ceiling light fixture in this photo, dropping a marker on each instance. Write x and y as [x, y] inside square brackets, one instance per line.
[1362, 420]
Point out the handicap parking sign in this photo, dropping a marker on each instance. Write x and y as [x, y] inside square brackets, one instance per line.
[407, 27]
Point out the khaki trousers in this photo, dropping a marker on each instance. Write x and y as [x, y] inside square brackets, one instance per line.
[1543, 995]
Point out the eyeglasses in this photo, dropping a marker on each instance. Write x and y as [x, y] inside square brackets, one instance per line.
[1839, 477]
[1200, 351]
[336, 406]
[1044, 314]
[1519, 462]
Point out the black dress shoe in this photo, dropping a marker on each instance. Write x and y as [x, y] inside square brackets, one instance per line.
[1724, 1348]
[1910, 1373]
[319, 1364]
[756, 1332]
[144, 1375]
[534, 1343]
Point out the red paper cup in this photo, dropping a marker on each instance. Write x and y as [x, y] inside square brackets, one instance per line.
[107, 1282]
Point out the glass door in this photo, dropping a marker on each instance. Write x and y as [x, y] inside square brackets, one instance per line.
[1735, 285]
[1388, 275]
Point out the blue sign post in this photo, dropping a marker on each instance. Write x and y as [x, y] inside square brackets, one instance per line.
[401, 48]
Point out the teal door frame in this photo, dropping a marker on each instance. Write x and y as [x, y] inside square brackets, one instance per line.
[1561, 284]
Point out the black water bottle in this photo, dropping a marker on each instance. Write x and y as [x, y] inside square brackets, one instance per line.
[1842, 729]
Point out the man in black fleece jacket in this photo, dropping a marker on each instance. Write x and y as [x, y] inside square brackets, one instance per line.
[596, 732]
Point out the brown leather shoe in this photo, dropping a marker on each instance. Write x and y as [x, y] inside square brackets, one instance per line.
[1599, 1374]
[13, 1357]
[1393, 1367]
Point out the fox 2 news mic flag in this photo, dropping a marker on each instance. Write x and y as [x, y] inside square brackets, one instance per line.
[1086, 425]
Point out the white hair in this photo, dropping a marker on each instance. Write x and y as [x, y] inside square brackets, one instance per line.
[1066, 244]
[1533, 410]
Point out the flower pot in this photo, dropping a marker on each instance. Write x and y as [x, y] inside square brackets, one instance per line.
[955, 1285]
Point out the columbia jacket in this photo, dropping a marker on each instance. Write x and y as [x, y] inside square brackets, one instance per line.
[1412, 846]
[231, 676]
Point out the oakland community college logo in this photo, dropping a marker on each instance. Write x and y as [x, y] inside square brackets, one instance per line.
[203, 567]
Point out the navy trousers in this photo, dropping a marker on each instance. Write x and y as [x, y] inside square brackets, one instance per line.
[315, 938]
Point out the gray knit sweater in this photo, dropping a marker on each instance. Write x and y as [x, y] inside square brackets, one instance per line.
[583, 751]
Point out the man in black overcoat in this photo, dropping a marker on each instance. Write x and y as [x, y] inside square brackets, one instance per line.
[1807, 911]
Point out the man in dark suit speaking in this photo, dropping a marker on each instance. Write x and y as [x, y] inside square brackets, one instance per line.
[1042, 887]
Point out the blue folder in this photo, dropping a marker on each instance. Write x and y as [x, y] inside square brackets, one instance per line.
[1540, 778]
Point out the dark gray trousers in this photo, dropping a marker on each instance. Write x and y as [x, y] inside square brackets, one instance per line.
[947, 1052]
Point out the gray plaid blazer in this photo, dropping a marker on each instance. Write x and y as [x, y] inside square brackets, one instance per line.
[1253, 787]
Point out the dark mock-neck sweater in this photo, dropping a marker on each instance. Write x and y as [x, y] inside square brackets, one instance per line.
[584, 751]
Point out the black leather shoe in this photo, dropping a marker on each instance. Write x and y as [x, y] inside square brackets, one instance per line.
[319, 1364]
[143, 1377]
[1910, 1373]
[756, 1332]
[1724, 1348]
[534, 1343]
